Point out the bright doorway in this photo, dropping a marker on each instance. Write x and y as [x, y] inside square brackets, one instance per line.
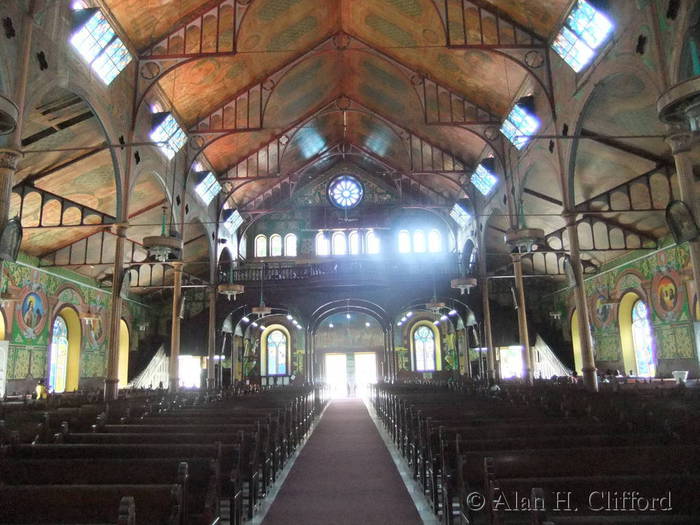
[337, 374]
[365, 372]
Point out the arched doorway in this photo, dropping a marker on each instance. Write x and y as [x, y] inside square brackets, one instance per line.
[636, 336]
[124, 343]
[576, 342]
[3, 331]
[64, 351]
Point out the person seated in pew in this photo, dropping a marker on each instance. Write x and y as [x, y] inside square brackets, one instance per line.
[41, 391]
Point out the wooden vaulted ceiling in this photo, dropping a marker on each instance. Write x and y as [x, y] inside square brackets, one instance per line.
[338, 72]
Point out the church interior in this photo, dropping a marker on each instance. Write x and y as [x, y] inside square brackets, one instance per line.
[349, 261]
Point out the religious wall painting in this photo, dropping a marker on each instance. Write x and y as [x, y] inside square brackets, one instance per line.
[630, 280]
[402, 358]
[607, 346]
[601, 309]
[31, 315]
[668, 297]
[675, 341]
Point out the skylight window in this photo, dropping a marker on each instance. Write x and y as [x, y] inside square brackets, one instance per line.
[484, 180]
[460, 215]
[208, 188]
[99, 45]
[584, 31]
[233, 221]
[519, 126]
[169, 135]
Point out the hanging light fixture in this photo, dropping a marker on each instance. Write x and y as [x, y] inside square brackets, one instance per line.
[163, 247]
[262, 309]
[230, 289]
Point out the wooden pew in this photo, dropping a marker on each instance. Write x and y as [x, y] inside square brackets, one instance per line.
[95, 504]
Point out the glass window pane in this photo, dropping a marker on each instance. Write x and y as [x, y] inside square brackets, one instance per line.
[483, 180]
[323, 245]
[354, 242]
[276, 245]
[572, 49]
[58, 356]
[345, 191]
[418, 241]
[208, 188]
[290, 245]
[424, 344]
[642, 340]
[434, 241]
[276, 353]
[261, 246]
[404, 241]
[519, 126]
[101, 48]
[339, 244]
[373, 245]
[589, 24]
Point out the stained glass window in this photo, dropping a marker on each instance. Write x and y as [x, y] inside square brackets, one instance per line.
[339, 244]
[345, 191]
[261, 246]
[98, 44]
[208, 188]
[418, 241]
[424, 344]
[584, 30]
[519, 126]
[290, 245]
[58, 355]
[460, 215]
[404, 241]
[642, 339]
[170, 136]
[373, 243]
[483, 179]
[434, 241]
[323, 245]
[233, 222]
[276, 353]
[354, 242]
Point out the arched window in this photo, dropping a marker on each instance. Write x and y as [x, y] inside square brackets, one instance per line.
[261, 246]
[404, 241]
[123, 353]
[276, 245]
[373, 245]
[418, 241]
[58, 355]
[323, 246]
[354, 242]
[290, 245]
[434, 241]
[424, 345]
[339, 243]
[641, 336]
[276, 353]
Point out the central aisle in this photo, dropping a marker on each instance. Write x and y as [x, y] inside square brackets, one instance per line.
[344, 475]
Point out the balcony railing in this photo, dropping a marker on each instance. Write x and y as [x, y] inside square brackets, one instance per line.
[357, 270]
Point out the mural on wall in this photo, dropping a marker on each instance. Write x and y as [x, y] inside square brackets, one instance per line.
[657, 279]
[38, 297]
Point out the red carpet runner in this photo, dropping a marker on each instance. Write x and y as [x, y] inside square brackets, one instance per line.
[343, 476]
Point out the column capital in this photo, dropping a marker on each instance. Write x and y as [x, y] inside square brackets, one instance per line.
[570, 217]
[680, 139]
[177, 265]
[516, 257]
[121, 228]
[9, 158]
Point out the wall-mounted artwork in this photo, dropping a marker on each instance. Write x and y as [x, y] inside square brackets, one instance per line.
[666, 296]
[32, 314]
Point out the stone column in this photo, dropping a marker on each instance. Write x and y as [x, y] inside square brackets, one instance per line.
[488, 335]
[112, 378]
[681, 141]
[522, 318]
[8, 167]
[211, 344]
[174, 365]
[590, 379]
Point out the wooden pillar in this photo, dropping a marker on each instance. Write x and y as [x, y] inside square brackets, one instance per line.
[522, 318]
[174, 365]
[488, 334]
[115, 316]
[590, 379]
[211, 343]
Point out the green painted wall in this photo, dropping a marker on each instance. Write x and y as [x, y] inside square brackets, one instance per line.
[35, 298]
